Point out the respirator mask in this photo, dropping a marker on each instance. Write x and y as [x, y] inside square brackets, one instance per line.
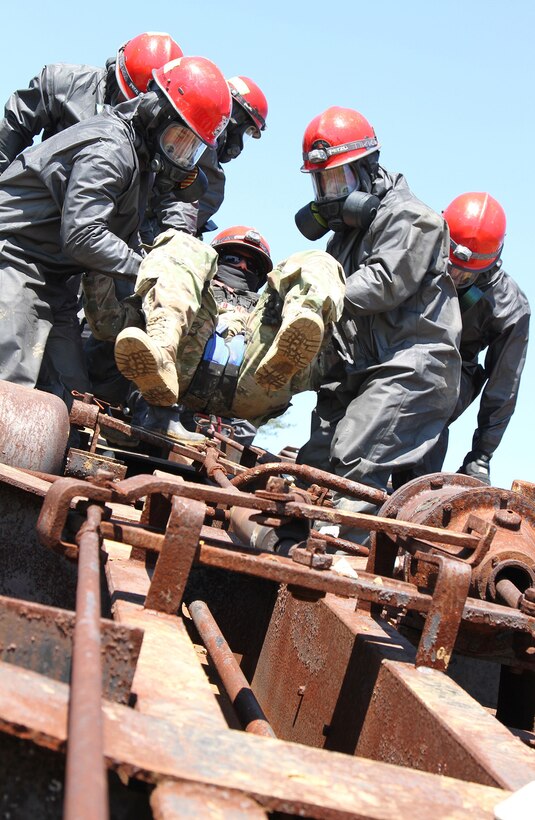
[240, 127]
[338, 203]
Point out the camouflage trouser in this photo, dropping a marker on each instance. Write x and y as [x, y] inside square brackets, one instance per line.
[311, 279]
[174, 287]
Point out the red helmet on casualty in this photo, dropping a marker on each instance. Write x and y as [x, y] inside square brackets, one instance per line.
[477, 230]
[332, 140]
[246, 240]
[252, 100]
[199, 93]
[137, 59]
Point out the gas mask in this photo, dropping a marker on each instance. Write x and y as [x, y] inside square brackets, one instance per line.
[177, 149]
[240, 127]
[338, 204]
[459, 265]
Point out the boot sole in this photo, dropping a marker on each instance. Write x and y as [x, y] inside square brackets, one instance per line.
[293, 349]
[135, 360]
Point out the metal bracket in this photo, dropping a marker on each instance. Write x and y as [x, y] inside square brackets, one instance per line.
[56, 505]
[179, 546]
[443, 619]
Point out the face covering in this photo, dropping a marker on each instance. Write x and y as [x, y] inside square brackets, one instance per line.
[240, 128]
[358, 210]
[342, 200]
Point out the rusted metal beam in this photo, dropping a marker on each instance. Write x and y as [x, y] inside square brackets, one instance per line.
[330, 676]
[284, 777]
[236, 685]
[137, 487]
[39, 638]
[169, 681]
[175, 801]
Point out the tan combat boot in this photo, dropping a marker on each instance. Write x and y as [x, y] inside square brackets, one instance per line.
[149, 360]
[294, 347]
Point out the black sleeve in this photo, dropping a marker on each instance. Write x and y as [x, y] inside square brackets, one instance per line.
[504, 362]
[97, 180]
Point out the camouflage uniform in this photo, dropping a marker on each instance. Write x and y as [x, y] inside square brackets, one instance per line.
[173, 288]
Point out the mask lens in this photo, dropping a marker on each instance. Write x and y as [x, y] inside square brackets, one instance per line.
[333, 183]
[462, 278]
[181, 146]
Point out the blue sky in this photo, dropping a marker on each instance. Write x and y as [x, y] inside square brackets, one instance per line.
[448, 88]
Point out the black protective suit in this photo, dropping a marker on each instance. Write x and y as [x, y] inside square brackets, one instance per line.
[68, 205]
[395, 377]
[62, 95]
[495, 318]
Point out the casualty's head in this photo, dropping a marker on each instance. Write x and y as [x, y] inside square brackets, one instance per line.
[341, 154]
[248, 117]
[476, 222]
[244, 249]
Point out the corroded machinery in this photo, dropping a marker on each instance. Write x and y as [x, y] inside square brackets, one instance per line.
[176, 638]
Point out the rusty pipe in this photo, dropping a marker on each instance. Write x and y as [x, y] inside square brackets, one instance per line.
[313, 476]
[86, 785]
[236, 685]
[508, 592]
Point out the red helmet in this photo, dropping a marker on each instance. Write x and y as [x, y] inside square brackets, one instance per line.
[243, 237]
[477, 230]
[137, 58]
[198, 91]
[247, 94]
[336, 137]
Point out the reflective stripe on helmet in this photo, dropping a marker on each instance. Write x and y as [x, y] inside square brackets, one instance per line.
[121, 63]
[323, 153]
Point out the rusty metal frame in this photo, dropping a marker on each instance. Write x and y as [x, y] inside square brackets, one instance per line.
[165, 742]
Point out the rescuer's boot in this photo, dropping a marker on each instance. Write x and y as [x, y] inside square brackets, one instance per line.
[165, 421]
[149, 359]
[294, 347]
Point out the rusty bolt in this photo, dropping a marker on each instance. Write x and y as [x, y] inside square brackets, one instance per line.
[314, 544]
[436, 483]
[529, 594]
[276, 484]
[102, 477]
[508, 519]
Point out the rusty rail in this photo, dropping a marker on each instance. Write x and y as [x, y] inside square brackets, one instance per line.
[236, 685]
[86, 786]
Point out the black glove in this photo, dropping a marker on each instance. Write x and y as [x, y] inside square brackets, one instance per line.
[476, 465]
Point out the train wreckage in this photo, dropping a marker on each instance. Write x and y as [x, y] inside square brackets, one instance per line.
[177, 639]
